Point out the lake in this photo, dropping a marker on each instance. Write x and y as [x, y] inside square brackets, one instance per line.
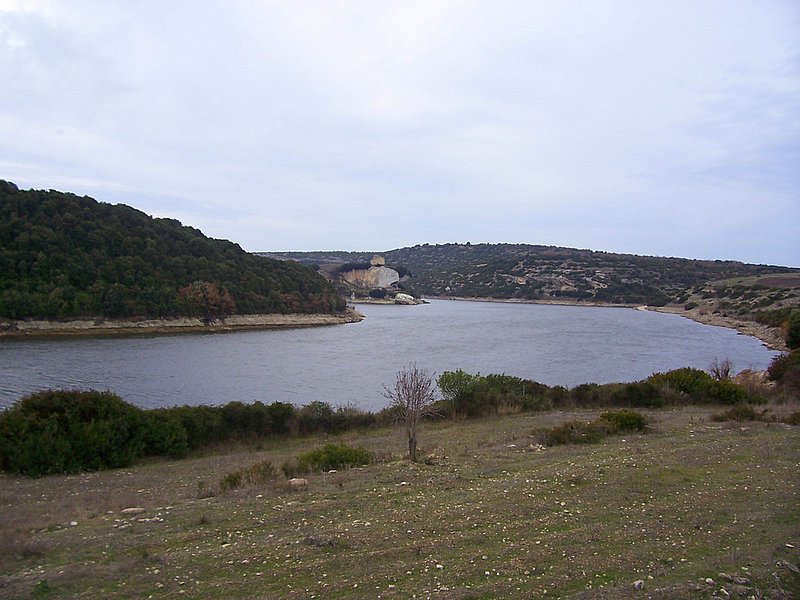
[556, 345]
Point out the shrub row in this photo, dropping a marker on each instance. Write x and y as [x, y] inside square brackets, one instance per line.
[68, 431]
[468, 395]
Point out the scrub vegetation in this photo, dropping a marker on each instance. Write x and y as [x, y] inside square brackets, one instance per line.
[683, 511]
[64, 256]
[69, 431]
[550, 273]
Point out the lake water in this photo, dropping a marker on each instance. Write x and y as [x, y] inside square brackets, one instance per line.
[556, 345]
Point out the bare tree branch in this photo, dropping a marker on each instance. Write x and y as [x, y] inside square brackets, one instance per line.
[413, 396]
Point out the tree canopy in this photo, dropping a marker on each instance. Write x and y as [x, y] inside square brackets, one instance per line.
[65, 256]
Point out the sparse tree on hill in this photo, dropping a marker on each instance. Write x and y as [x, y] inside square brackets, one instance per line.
[413, 396]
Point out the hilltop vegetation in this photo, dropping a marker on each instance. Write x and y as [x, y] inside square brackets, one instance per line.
[65, 256]
[527, 272]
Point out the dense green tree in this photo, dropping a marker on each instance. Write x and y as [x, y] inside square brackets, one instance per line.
[66, 256]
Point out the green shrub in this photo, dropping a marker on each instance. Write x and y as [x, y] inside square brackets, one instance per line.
[785, 370]
[333, 456]
[471, 396]
[209, 425]
[67, 431]
[723, 392]
[257, 474]
[688, 380]
[164, 435]
[699, 387]
[321, 417]
[741, 412]
[641, 394]
[625, 420]
[578, 432]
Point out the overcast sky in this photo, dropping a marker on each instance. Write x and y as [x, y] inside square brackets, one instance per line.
[663, 128]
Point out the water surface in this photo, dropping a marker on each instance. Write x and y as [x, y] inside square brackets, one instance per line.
[556, 345]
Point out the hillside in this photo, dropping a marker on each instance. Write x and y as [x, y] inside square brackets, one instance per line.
[547, 273]
[487, 514]
[64, 256]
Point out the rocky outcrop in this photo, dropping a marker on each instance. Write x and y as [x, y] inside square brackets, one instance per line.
[405, 299]
[372, 278]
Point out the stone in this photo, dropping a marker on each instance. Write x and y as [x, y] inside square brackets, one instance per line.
[133, 510]
[638, 584]
[404, 299]
[298, 482]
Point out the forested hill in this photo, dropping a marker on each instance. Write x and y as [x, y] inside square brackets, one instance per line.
[529, 272]
[67, 256]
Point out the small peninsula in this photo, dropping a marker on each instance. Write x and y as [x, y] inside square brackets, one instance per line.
[71, 264]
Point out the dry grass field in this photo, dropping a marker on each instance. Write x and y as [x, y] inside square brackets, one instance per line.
[691, 509]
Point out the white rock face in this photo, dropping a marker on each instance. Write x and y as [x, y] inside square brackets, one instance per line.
[374, 277]
[404, 299]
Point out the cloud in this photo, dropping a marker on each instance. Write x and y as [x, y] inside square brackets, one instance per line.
[665, 127]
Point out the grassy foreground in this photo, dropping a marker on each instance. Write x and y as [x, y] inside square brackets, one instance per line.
[490, 514]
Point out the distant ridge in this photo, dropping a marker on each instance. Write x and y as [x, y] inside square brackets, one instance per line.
[548, 273]
[64, 256]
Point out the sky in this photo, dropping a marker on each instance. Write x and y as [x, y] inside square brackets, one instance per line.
[665, 128]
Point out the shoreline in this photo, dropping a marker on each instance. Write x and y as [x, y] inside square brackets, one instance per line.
[101, 326]
[771, 337]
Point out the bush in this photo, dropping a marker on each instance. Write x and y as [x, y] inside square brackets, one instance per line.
[699, 386]
[470, 396]
[68, 431]
[723, 392]
[624, 420]
[333, 456]
[257, 474]
[785, 370]
[688, 380]
[578, 432]
[321, 417]
[793, 419]
[741, 412]
[641, 394]
[582, 432]
[209, 425]
[164, 435]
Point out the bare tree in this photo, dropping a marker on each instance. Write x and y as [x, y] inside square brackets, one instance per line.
[412, 395]
[721, 370]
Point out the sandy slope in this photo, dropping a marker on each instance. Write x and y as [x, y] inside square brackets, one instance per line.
[185, 324]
